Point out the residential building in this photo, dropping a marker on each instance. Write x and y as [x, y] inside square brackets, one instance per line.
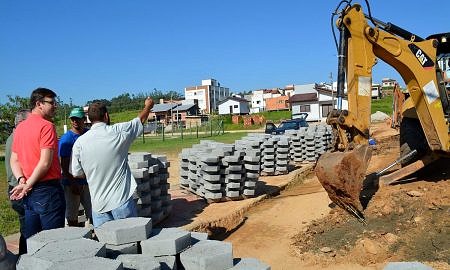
[259, 97]
[277, 103]
[387, 86]
[317, 102]
[376, 91]
[234, 105]
[207, 95]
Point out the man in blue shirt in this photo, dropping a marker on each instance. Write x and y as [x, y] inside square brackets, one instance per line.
[76, 190]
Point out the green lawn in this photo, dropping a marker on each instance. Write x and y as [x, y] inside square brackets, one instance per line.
[174, 145]
[9, 223]
[382, 105]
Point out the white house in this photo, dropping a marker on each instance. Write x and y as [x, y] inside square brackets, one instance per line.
[258, 100]
[316, 101]
[234, 105]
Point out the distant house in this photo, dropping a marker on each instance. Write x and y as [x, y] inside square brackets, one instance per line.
[162, 112]
[207, 95]
[315, 99]
[259, 98]
[277, 103]
[234, 105]
[376, 91]
[387, 86]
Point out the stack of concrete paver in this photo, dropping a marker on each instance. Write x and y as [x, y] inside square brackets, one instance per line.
[268, 149]
[308, 143]
[7, 259]
[282, 155]
[131, 244]
[234, 174]
[210, 177]
[151, 195]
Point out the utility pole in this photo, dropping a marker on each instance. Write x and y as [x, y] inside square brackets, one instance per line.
[332, 95]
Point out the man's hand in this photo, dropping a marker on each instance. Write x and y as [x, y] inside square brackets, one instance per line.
[149, 103]
[19, 191]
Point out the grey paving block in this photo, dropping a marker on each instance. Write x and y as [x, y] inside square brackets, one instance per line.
[139, 156]
[35, 242]
[144, 198]
[140, 173]
[198, 236]
[29, 262]
[249, 264]
[139, 262]
[123, 231]
[112, 251]
[94, 263]
[138, 164]
[166, 241]
[406, 266]
[167, 262]
[145, 210]
[208, 255]
[56, 252]
[153, 169]
[157, 216]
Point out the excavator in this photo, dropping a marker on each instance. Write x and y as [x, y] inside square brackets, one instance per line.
[424, 127]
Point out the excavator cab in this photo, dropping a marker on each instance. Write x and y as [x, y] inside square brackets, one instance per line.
[424, 129]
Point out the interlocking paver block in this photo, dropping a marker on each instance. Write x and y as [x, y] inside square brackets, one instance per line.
[198, 236]
[40, 239]
[123, 231]
[166, 241]
[94, 263]
[139, 262]
[112, 251]
[249, 264]
[56, 252]
[208, 255]
[167, 262]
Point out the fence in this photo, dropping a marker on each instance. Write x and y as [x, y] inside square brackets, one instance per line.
[181, 130]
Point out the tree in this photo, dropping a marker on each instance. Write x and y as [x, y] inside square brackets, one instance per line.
[8, 112]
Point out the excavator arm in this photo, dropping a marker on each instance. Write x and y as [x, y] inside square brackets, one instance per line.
[360, 45]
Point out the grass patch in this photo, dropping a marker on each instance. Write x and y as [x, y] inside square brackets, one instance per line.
[9, 221]
[174, 145]
[382, 105]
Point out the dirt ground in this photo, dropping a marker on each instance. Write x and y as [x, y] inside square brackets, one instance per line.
[301, 229]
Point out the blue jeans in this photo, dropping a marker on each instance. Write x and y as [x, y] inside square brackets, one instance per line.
[44, 207]
[126, 210]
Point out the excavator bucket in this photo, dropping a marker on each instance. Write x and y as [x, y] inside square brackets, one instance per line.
[342, 175]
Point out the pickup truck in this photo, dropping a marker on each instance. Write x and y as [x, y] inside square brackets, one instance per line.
[296, 123]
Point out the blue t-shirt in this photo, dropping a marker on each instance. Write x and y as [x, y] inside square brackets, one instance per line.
[65, 150]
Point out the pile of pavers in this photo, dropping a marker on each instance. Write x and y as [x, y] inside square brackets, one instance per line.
[218, 171]
[151, 195]
[308, 143]
[7, 259]
[130, 244]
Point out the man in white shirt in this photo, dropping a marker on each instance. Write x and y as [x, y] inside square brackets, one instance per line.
[101, 154]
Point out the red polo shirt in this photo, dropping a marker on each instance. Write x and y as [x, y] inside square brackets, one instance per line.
[32, 135]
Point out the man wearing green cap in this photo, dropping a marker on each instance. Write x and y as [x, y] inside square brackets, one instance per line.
[76, 190]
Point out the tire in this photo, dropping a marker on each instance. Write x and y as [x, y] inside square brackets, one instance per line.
[412, 137]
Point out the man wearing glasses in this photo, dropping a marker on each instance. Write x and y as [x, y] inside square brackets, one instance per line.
[35, 164]
[76, 190]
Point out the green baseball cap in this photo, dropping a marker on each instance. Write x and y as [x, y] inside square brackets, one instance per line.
[77, 112]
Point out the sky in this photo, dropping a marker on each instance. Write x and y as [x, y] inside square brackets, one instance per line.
[85, 50]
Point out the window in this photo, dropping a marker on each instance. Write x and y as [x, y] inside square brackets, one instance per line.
[326, 108]
[235, 106]
[305, 108]
[257, 102]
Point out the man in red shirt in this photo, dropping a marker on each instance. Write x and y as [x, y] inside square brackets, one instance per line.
[35, 164]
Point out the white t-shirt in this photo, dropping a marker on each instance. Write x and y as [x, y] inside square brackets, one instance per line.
[102, 155]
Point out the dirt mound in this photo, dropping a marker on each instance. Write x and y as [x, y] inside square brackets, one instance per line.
[408, 222]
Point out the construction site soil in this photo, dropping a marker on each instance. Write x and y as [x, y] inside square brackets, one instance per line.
[299, 227]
